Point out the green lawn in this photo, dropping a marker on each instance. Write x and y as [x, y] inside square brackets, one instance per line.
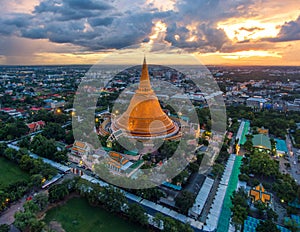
[78, 216]
[10, 173]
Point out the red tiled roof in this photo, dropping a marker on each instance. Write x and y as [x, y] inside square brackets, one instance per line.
[31, 125]
[7, 109]
[35, 108]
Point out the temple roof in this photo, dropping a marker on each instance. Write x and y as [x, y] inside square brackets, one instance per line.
[258, 193]
[261, 141]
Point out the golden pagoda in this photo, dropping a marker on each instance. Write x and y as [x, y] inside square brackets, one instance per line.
[144, 118]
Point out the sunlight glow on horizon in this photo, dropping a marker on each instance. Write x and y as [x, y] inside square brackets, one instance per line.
[249, 29]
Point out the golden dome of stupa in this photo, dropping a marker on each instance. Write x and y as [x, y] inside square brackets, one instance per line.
[144, 117]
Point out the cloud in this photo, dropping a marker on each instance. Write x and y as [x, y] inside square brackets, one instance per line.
[64, 10]
[97, 25]
[92, 24]
[95, 22]
[290, 31]
[205, 37]
[62, 6]
[10, 24]
[247, 45]
[251, 29]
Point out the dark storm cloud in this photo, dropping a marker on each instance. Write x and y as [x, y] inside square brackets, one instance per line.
[95, 33]
[60, 5]
[91, 24]
[125, 31]
[97, 24]
[289, 31]
[10, 24]
[72, 9]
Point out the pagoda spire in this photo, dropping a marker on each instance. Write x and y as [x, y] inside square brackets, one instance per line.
[145, 85]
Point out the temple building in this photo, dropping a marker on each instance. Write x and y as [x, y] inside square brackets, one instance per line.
[262, 142]
[144, 118]
[79, 150]
[259, 193]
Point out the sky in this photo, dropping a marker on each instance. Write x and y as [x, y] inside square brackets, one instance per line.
[217, 32]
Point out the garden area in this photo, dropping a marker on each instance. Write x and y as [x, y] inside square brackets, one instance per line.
[11, 173]
[78, 215]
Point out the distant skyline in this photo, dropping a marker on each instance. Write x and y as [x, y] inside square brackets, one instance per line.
[218, 32]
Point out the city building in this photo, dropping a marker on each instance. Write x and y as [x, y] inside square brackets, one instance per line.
[256, 102]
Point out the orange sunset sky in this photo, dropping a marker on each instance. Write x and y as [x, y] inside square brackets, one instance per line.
[218, 32]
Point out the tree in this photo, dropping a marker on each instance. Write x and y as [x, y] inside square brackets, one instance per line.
[193, 167]
[136, 213]
[58, 192]
[30, 206]
[13, 130]
[25, 142]
[69, 139]
[239, 208]
[4, 228]
[26, 220]
[271, 214]
[168, 149]
[151, 194]
[61, 156]
[248, 145]
[181, 177]
[22, 219]
[36, 180]
[218, 169]
[112, 198]
[267, 226]
[41, 200]
[261, 207]
[26, 163]
[10, 153]
[54, 131]
[200, 158]
[171, 225]
[43, 147]
[184, 201]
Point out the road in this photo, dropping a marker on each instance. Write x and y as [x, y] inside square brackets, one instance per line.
[7, 217]
[293, 159]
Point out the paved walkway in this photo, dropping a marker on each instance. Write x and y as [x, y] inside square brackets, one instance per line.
[7, 217]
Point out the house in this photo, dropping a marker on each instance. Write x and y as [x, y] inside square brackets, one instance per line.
[36, 126]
